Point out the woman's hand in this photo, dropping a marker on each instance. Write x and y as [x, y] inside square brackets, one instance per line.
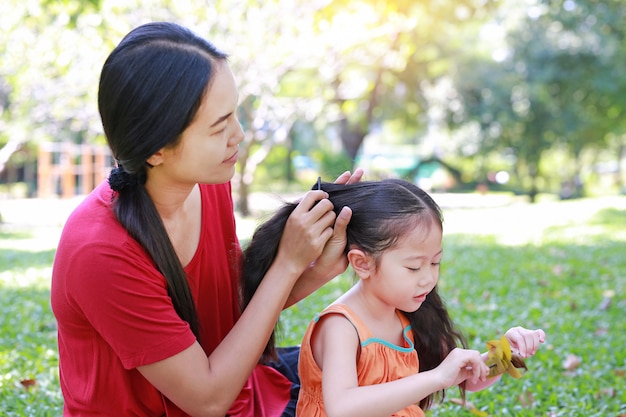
[307, 231]
[333, 260]
[350, 178]
[523, 341]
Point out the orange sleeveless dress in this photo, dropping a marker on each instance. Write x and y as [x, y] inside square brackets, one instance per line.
[380, 362]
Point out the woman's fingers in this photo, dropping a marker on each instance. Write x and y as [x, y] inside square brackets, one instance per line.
[350, 177]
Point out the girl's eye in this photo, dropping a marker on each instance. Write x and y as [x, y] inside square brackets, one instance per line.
[219, 132]
[412, 269]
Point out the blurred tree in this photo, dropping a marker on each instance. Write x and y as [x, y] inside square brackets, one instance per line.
[381, 57]
[270, 42]
[556, 80]
[349, 65]
[46, 72]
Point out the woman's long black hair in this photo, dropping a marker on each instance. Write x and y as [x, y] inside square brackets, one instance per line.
[382, 211]
[151, 87]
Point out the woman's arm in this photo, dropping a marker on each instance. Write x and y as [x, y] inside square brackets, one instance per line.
[204, 386]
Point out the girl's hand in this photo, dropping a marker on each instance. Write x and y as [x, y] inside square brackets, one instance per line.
[525, 342]
[461, 365]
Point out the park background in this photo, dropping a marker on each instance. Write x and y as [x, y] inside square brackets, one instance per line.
[512, 113]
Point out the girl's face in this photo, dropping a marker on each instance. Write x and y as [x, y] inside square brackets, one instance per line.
[408, 272]
[208, 149]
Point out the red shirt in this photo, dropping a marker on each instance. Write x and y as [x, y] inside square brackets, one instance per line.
[114, 313]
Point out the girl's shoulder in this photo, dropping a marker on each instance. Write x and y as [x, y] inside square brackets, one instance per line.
[342, 309]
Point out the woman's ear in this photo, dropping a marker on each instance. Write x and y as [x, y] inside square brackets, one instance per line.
[156, 159]
[361, 263]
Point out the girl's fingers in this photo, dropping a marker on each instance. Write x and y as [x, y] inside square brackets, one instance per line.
[525, 342]
[542, 335]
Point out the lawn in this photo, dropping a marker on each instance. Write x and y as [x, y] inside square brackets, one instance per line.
[560, 266]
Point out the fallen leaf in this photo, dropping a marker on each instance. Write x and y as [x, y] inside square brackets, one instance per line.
[608, 293]
[601, 331]
[479, 413]
[28, 383]
[605, 304]
[571, 362]
[471, 407]
[607, 392]
[526, 399]
[459, 401]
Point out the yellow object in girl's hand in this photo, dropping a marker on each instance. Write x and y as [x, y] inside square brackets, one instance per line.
[500, 359]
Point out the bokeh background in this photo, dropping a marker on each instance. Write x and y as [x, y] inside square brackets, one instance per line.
[512, 113]
[521, 96]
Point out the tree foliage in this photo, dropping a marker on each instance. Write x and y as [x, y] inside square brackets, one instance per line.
[554, 83]
[380, 57]
[520, 78]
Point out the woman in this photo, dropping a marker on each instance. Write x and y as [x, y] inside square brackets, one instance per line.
[145, 279]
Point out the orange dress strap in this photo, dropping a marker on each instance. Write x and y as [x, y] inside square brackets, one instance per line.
[361, 328]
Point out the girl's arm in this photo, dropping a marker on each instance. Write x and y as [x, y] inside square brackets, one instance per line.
[335, 345]
[523, 341]
[207, 386]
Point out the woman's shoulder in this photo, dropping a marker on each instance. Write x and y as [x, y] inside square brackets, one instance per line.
[92, 232]
[93, 219]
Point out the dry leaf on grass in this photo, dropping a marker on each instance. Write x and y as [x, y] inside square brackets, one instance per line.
[28, 383]
[571, 362]
[526, 399]
[471, 407]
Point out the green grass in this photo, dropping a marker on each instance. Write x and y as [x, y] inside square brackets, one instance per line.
[28, 349]
[557, 277]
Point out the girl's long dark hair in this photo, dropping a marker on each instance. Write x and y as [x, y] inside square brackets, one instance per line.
[151, 87]
[382, 212]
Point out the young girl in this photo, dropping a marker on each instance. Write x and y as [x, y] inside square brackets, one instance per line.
[387, 346]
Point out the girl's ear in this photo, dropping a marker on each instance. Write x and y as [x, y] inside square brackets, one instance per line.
[361, 263]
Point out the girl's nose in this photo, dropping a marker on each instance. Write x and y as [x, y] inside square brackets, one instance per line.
[429, 276]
